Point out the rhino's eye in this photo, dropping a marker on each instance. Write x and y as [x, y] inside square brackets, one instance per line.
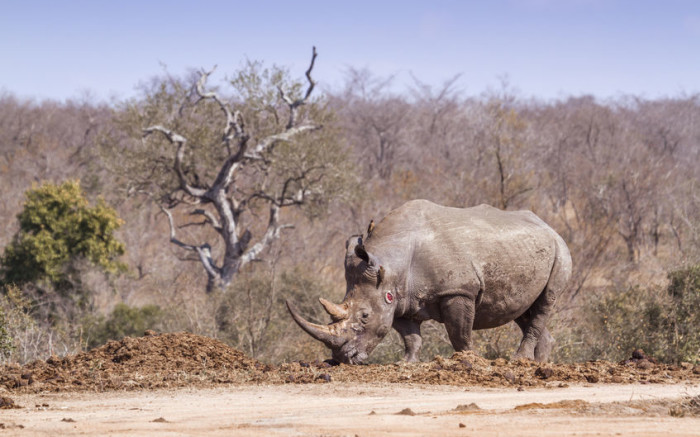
[364, 316]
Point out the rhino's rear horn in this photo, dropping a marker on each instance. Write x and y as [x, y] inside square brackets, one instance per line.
[337, 312]
[321, 333]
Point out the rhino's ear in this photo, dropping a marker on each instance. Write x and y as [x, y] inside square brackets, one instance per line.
[367, 257]
[362, 253]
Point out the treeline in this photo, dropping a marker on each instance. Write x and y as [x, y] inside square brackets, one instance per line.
[617, 179]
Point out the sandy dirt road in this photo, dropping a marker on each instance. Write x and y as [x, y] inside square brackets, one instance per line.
[359, 409]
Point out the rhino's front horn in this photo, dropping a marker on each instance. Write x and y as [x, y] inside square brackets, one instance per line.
[337, 312]
[327, 334]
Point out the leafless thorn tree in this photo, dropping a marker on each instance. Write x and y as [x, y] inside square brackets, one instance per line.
[222, 193]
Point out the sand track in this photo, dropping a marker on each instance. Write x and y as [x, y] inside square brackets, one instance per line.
[340, 409]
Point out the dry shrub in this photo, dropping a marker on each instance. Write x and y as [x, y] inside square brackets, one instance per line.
[662, 322]
[251, 315]
[23, 337]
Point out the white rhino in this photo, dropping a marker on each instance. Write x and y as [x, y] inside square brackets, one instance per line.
[471, 268]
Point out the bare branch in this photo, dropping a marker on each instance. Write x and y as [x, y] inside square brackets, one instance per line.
[211, 219]
[271, 234]
[280, 228]
[234, 129]
[180, 142]
[288, 100]
[234, 120]
[203, 251]
[295, 104]
[173, 137]
[308, 74]
[287, 135]
[298, 197]
[173, 237]
[225, 176]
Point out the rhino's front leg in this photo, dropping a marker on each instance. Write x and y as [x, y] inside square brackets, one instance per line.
[410, 332]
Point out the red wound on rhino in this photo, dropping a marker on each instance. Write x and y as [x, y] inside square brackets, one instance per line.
[389, 297]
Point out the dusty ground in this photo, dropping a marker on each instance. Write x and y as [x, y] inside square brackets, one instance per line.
[183, 384]
[339, 409]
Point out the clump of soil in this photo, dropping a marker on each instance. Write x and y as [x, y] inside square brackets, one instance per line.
[182, 359]
[7, 403]
[153, 361]
[468, 408]
[406, 412]
[575, 404]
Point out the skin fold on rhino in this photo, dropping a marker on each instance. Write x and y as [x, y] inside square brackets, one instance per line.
[471, 268]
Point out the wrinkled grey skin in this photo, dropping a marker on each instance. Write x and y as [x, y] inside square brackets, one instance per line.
[473, 268]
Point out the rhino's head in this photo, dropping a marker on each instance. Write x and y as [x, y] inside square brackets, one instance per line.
[365, 315]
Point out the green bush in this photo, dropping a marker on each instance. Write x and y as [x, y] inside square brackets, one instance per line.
[57, 226]
[125, 321]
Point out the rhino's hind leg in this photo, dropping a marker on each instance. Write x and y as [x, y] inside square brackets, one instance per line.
[545, 344]
[410, 332]
[532, 323]
[537, 343]
[458, 316]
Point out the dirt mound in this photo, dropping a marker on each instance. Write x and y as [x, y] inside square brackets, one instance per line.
[467, 368]
[164, 360]
[182, 359]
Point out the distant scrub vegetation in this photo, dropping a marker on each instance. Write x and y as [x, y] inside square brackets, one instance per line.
[617, 179]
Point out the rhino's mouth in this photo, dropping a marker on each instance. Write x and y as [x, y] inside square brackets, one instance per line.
[349, 355]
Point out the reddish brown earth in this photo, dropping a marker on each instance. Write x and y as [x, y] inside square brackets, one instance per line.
[181, 359]
[197, 385]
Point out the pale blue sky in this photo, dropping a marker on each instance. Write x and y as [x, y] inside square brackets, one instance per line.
[548, 48]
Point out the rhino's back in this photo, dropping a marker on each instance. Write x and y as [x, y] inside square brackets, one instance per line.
[460, 231]
[507, 255]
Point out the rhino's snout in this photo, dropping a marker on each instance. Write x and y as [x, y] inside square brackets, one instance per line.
[349, 355]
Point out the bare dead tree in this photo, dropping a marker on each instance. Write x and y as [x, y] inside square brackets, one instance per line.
[221, 202]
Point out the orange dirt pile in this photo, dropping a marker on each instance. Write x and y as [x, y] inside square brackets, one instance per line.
[182, 359]
[152, 361]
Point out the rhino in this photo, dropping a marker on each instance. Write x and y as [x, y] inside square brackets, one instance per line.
[468, 268]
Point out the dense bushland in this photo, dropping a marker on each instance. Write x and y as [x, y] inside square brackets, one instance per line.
[617, 179]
